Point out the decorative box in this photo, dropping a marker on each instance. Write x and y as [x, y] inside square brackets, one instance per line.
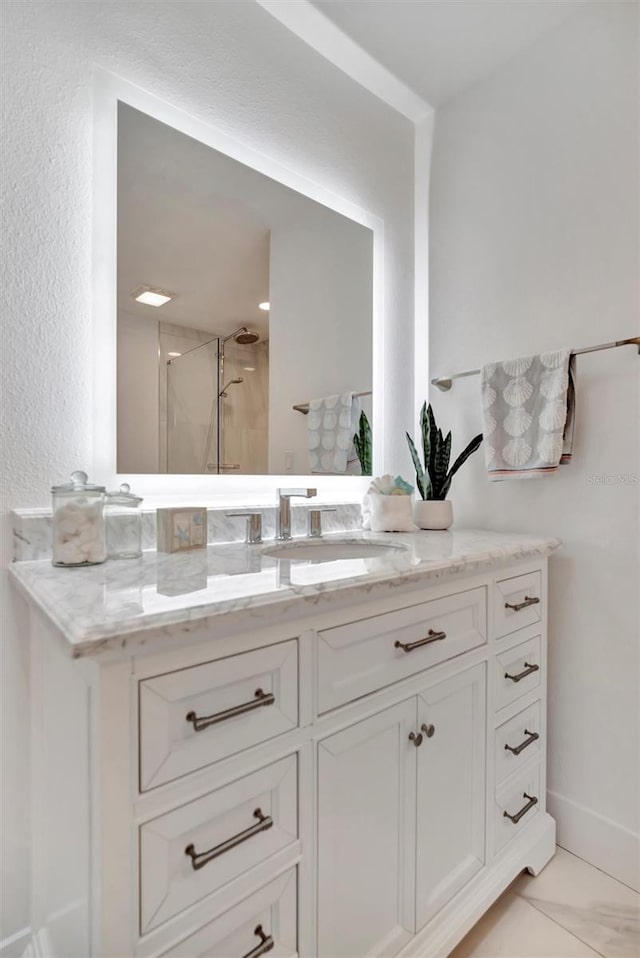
[181, 529]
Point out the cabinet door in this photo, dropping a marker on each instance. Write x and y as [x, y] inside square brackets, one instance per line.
[451, 789]
[366, 836]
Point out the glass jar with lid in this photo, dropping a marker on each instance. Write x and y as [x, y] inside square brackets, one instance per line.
[124, 524]
[78, 532]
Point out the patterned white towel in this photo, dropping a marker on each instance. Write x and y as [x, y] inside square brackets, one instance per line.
[528, 415]
[332, 422]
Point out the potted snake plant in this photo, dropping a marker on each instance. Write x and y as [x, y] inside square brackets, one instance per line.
[433, 479]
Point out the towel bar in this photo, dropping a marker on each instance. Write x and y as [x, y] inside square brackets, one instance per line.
[303, 407]
[444, 383]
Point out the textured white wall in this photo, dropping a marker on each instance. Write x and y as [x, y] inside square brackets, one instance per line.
[229, 64]
[534, 245]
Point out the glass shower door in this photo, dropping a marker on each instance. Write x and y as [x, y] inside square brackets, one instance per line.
[193, 429]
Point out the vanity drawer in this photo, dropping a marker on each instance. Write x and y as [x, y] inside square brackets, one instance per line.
[197, 848]
[363, 656]
[269, 913]
[517, 671]
[196, 716]
[516, 805]
[517, 602]
[517, 742]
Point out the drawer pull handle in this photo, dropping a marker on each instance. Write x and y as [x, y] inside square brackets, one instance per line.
[533, 737]
[266, 944]
[528, 600]
[416, 738]
[200, 859]
[523, 811]
[410, 646]
[201, 722]
[528, 669]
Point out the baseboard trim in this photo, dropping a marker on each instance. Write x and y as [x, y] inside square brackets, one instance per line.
[598, 840]
[16, 945]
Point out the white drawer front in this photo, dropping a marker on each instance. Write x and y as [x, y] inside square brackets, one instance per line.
[367, 655]
[516, 806]
[518, 671]
[227, 832]
[196, 716]
[518, 602]
[268, 913]
[517, 742]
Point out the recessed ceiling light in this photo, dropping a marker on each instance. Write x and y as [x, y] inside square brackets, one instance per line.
[152, 296]
[264, 306]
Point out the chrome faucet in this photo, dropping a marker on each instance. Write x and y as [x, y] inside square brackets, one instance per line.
[283, 519]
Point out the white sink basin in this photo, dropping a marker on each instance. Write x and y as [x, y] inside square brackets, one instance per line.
[326, 551]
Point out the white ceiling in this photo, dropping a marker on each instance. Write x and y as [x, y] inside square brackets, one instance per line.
[184, 225]
[440, 47]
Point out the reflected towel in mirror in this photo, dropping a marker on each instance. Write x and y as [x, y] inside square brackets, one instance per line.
[331, 423]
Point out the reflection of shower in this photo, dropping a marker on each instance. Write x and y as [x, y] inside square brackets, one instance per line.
[243, 337]
[223, 392]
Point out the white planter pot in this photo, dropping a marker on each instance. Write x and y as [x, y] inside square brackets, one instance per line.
[433, 513]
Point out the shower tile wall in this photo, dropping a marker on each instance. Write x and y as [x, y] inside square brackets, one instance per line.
[245, 414]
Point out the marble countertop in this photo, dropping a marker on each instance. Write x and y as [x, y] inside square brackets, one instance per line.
[95, 607]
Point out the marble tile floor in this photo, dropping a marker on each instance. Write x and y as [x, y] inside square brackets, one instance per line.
[571, 910]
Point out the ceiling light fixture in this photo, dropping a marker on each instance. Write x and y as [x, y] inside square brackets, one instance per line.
[152, 296]
[249, 369]
[174, 354]
[264, 306]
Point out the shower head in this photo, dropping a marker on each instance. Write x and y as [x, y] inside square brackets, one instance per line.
[246, 337]
[223, 392]
[242, 336]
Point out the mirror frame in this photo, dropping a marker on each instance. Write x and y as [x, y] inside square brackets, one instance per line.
[109, 90]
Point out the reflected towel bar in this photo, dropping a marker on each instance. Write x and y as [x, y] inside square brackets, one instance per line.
[444, 383]
[303, 407]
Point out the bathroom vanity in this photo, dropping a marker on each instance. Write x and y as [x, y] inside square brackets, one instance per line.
[236, 754]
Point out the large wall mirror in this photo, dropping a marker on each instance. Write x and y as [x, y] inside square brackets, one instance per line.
[238, 300]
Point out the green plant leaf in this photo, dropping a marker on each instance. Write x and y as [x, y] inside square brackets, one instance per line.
[424, 434]
[362, 441]
[421, 480]
[462, 458]
[434, 442]
[441, 465]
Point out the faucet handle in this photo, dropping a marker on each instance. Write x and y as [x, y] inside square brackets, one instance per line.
[254, 525]
[315, 521]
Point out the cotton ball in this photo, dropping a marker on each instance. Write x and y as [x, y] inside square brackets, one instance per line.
[68, 554]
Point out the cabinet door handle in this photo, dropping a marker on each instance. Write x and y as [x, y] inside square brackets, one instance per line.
[533, 737]
[416, 738]
[429, 730]
[528, 600]
[266, 944]
[523, 811]
[200, 722]
[200, 859]
[528, 669]
[430, 637]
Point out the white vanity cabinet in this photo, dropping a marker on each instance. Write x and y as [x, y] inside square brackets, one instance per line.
[401, 811]
[358, 779]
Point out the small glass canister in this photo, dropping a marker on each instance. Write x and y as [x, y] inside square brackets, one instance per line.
[78, 523]
[124, 524]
